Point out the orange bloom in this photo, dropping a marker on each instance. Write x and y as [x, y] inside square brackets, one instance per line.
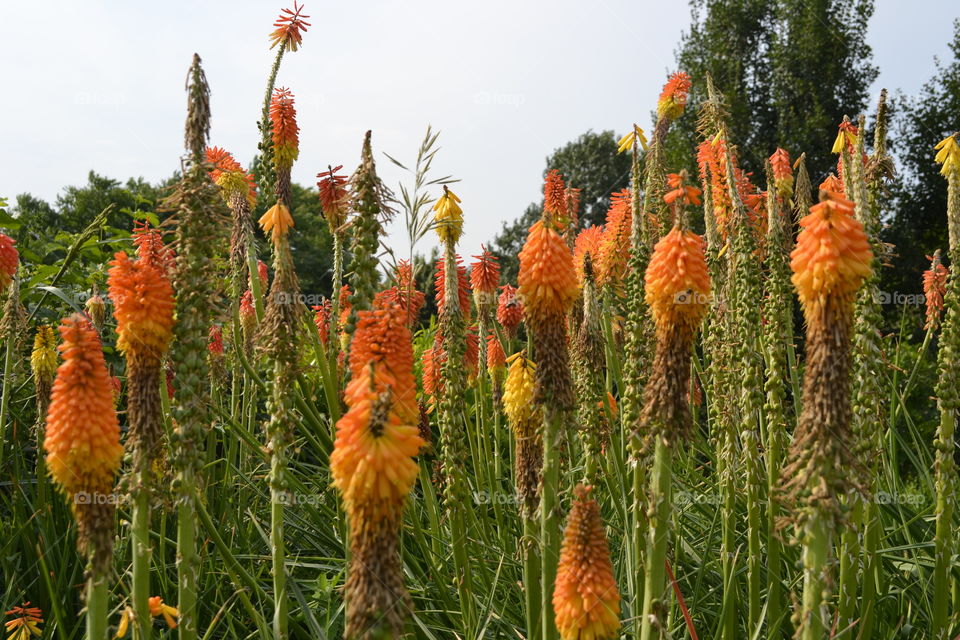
[96, 310]
[509, 309]
[277, 221]
[283, 117]
[334, 196]
[677, 283]
[143, 306]
[410, 300]
[432, 359]
[548, 281]
[377, 439]
[614, 250]
[555, 196]
[782, 172]
[496, 358]
[83, 436]
[832, 184]
[587, 243]
[846, 136]
[471, 353]
[934, 289]
[290, 27]
[150, 247]
[586, 601]
[322, 320]
[673, 98]
[215, 340]
[679, 191]
[25, 623]
[573, 205]
[9, 260]
[158, 608]
[484, 278]
[463, 288]
[229, 175]
[832, 256]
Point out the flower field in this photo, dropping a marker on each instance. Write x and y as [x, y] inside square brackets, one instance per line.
[690, 421]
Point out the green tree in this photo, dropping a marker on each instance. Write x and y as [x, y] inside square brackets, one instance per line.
[789, 69]
[590, 163]
[918, 224]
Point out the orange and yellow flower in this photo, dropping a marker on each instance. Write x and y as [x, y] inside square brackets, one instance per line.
[519, 390]
[613, 253]
[463, 287]
[229, 175]
[289, 28]
[285, 132]
[832, 256]
[25, 623]
[143, 306]
[158, 608]
[934, 289]
[555, 197]
[673, 98]
[548, 281]
[586, 601]
[677, 283]
[496, 358]
[846, 136]
[681, 192]
[9, 260]
[334, 196]
[484, 278]
[277, 221]
[509, 309]
[587, 243]
[782, 172]
[82, 441]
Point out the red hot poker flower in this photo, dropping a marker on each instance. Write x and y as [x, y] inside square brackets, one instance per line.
[290, 27]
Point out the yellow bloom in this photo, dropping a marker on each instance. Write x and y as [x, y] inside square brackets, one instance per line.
[518, 390]
[277, 221]
[124, 625]
[448, 217]
[948, 154]
[157, 608]
[627, 141]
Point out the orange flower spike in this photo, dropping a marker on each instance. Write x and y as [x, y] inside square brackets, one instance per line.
[382, 337]
[143, 306]
[614, 250]
[289, 28]
[485, 272]
[555, 197]
[509, 309]
[496, 358]
[334, 196]
[586, 601]
[158, 608]
[322, 320]
[229, 175]
[680, 192]
[677, 283]
[150, 247]
[9, 260]
[548, 281]
[832, 256]
[782, 172]
[587, 243]
[277, 221]
[673, 98]
[82, 440]
[832, 184]
[285, 132]
[934, 289]
[846, 135]
[25, 623]
[463, 287]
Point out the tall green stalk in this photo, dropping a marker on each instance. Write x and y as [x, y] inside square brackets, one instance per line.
[658, 537]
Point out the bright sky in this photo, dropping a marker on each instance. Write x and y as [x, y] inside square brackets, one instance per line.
[99, 85]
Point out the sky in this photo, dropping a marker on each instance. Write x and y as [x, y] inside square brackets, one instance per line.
[100, 85]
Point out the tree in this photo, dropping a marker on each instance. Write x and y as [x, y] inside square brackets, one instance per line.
[789, 70]
[918, 224]
[590, 163]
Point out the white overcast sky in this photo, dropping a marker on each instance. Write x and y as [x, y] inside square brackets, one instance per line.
[99, 85]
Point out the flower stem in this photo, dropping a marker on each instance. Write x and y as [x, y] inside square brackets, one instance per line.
[653, 623]
[97, 607]
[550, 516]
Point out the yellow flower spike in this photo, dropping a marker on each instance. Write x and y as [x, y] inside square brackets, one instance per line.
[627, 141]
[948, 154]
[277, 221]
[124, 625]
[838, 143]
[448, 217]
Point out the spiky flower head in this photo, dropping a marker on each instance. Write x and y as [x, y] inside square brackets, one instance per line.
[377, 439]
[636, 136]
[96, 309]
[448, 218]
[334, 192]
[82, 440]
[248, 312]
[548, 281]
[43, 359]
[677, 283]
[948, 155]
[555, 198]
[404, 293]
[586, 601]
[484, 278]
[614, 250]
[463, 287]
[24, 623]
[934, 289]
[587, 244]
[289, 28]
[277, 221]
[681, 193]
[285, 132]
[673, 98]
[143, 306]
[846, 137]
[525, 418]
[518, 391]
[782, 172]
[229, 175]
[150, 247]
[321, 319]
[509, 309]
[496, 358]
[215, 341]
[832, 257]
[9, 260]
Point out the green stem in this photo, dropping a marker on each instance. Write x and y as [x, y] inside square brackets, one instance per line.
[5, 394]
[531, 577]
[943, 542]
[187, 557]
[550, 516]
[814, 614]
[97, 608]
[653, 623]
[140, 541]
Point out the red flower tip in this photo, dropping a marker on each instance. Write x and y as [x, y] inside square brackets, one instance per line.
[290, 27]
